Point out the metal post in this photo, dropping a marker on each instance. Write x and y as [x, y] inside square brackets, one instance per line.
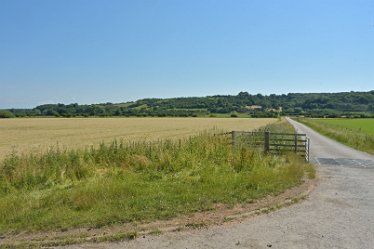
[308, 148]
[266, 141]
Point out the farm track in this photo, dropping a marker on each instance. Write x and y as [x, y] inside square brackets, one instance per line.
[338, 214]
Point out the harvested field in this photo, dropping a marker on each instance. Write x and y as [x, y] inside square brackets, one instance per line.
[36, 134]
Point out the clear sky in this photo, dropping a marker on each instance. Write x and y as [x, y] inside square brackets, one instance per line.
[92, 51]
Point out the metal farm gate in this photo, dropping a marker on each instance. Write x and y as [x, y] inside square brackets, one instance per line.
[273, 142]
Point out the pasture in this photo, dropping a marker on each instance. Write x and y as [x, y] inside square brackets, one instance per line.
[365, 125]
[357, 133]
[26, 135]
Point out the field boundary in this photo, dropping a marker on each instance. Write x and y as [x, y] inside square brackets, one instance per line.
[274, 142]
[222, 214]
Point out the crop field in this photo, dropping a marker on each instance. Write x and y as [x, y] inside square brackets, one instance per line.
[365, 125]
[38, 134]
[357, 133]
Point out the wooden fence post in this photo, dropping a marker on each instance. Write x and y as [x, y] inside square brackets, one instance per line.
[233, 137]
[295, 142]
[266, 141]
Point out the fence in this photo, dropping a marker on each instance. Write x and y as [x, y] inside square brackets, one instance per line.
[273, 142]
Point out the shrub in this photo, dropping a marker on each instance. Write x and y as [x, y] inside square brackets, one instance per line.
[6, 114]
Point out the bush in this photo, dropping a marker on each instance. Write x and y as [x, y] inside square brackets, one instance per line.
[6, 114]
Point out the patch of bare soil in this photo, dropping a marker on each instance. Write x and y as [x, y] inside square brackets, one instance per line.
[220, 215]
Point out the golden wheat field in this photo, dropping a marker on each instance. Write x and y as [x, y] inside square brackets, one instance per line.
[37, 134]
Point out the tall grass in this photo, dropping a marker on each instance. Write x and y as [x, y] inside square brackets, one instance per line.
[137, 181]
[280, 126]
[355, 138]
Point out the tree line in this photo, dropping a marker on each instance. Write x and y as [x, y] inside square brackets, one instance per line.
[350, 104]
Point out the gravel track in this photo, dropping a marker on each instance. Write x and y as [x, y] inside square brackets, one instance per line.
[339, 213]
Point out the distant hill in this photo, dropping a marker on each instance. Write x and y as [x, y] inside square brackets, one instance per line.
[353, 104]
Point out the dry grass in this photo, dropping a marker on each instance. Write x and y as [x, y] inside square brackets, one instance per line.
[36, 134]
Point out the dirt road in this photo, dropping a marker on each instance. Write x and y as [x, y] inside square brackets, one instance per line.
[339, 213]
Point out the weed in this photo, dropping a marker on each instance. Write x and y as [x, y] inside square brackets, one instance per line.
[227, 219]
[155, 232]
[199, 225]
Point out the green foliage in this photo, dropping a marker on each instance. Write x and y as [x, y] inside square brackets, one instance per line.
[353, 104]
[137, 181]
[6, 114]
[311, 170]
[357, 133]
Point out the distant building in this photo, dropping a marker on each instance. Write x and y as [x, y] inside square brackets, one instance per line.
[254, 107]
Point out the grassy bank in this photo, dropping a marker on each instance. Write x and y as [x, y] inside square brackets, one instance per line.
[136, 181]
[357, 133]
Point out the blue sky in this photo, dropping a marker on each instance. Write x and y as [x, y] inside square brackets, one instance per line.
[92, 51]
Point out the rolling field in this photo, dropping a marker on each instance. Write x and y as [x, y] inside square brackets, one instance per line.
[38, 134]
[357, 133]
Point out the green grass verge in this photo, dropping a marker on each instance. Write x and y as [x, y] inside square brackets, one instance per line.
[125, 182]
[356, 133]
